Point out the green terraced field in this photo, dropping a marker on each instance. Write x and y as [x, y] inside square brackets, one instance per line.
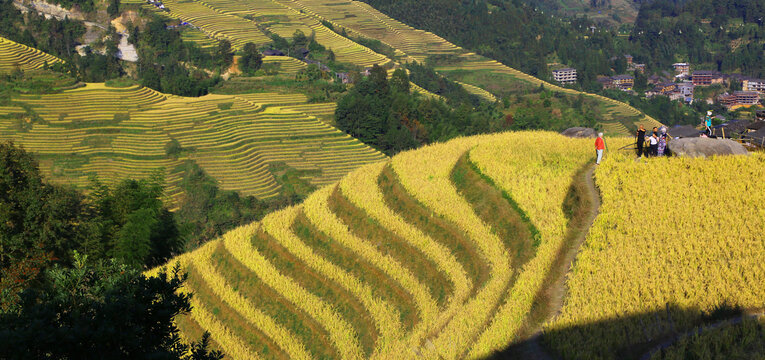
[415, 45]
[14, 55]
[122, 132]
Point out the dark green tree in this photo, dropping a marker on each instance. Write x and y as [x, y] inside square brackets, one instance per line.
[641, 82]
[251, 59]
[399, 81]
[224, 55]
[114, 8]
[101, 311]
[279, 42]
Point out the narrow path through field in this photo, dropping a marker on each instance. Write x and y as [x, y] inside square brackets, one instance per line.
[583, 204]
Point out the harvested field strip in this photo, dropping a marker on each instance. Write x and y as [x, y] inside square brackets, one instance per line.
[360, 187]
[252, 337]
[231, 344]
[496, 209]
[343, 337]
[538, 182]
[351, 298]
[190, 331]
[448, 235]
[430, 283]
[428, 181]
[288, 65]
[318, 212]
[393, 295]
[307, 331]
[475, 90]
[342, 334]
[278, 336]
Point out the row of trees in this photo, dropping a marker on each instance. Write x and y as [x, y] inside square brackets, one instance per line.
[385, 114]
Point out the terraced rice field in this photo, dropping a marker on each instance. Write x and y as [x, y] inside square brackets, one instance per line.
[285, 64]
[415, 45]
[14, 55]
[238, 22]
[198, 37]
[422, 255]
[216, 24]
[123, 132]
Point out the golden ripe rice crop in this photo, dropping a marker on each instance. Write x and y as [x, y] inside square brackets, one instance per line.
[395, 260]
[676, 239]
[14, 55]
[125, 132]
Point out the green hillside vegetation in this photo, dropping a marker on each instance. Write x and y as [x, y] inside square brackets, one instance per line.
[611, 12]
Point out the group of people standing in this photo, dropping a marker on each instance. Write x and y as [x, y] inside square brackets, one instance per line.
[656, 141]
[653, 144]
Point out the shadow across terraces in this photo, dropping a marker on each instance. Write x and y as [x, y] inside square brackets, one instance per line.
[632, 337]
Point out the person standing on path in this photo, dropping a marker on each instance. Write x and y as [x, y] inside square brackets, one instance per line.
[640, 140]
[600, 145]
[708, 123]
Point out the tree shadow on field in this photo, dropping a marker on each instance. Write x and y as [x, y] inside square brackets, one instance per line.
[628, 337]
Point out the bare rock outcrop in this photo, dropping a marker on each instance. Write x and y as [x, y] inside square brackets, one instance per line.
[580, 132]
[704, 147]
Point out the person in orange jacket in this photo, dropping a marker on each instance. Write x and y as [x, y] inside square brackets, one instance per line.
[600, 145]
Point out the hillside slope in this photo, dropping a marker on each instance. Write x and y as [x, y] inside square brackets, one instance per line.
[14, 55]
[241, 141]
[421, 254]
[446, 251]
[357, 18]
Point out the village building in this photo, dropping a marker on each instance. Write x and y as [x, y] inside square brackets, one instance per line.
[629, 59]
[272, 52]
[739, 99]
[665, 88]
[639, 67]
[686, 90]
[623, 82]
[706, 78]
[606, 82]
[682, 68]
[753, 85]
[344, 77]
[565, 76]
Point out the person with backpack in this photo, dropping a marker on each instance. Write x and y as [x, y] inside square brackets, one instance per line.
[663, 139]
[708, 123]
[640, 140]
[600, 146]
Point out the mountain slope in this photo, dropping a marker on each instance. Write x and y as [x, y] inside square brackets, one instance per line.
[357, 18]
[444, 252]
[404, 255]
[14, 55]
[241, 141]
